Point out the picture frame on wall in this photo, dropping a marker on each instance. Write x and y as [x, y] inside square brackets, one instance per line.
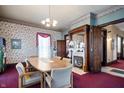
[15, 43]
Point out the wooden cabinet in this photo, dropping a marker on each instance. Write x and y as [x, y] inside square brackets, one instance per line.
[61, 48]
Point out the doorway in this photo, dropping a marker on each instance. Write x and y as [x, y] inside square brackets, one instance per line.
[104, 47]
[67, 40]
[115, 41]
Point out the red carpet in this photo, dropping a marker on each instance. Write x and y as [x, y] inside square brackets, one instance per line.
[119, 64]
[9, 79]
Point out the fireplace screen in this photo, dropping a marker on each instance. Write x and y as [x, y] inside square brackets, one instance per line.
[78, 61]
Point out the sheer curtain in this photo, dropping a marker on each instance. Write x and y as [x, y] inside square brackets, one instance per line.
[44, 49]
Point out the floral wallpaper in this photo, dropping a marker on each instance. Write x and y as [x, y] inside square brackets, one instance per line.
[27, 35]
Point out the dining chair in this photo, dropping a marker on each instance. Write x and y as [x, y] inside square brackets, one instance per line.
[27, 78]
[28, 66]
[60, 77]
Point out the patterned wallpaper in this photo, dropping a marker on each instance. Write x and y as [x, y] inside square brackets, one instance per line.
[27, 35]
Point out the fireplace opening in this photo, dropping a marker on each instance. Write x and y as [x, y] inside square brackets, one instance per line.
[78, 61]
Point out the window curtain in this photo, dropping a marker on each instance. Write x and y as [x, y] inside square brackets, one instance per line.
[44, 45]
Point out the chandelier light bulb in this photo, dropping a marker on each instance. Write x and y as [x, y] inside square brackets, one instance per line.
[43, 22]
[48, 25]
[55, 22]
[47, 19]
[47, 22]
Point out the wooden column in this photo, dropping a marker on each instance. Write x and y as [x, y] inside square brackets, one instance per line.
[95, 49]
[86, 41]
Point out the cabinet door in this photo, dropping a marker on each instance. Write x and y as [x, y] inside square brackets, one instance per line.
[61, 48]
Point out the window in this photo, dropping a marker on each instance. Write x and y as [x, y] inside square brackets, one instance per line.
[44, 49]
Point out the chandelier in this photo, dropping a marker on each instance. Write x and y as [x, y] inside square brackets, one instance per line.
[49, 22]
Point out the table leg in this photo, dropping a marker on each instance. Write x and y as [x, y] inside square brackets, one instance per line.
[44, 83]
[42, 79]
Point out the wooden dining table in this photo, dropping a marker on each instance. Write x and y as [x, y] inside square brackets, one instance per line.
[46, 65]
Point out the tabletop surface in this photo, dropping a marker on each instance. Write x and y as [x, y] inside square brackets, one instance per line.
[44, 64]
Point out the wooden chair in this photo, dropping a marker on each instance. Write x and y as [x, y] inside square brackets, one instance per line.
[28, 66]
[59, 77]
[29, 78]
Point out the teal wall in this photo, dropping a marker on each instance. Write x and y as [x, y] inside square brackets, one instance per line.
[92, 19]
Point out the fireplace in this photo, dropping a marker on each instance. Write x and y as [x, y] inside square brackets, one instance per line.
[78, 61]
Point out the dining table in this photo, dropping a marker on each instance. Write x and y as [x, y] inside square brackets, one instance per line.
[46, 65]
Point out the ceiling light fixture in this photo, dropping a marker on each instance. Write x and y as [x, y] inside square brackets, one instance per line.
[49, 22]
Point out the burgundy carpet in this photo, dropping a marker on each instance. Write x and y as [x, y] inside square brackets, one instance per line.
[119, 64]
[9, 79]
[98, 80]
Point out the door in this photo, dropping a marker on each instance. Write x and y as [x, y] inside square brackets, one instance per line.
[61, 48]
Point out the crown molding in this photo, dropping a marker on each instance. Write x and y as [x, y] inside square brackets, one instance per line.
[110, 10]
[26, 23]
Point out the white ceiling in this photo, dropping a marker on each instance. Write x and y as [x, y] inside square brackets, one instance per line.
[64, 14]
[120, 26]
